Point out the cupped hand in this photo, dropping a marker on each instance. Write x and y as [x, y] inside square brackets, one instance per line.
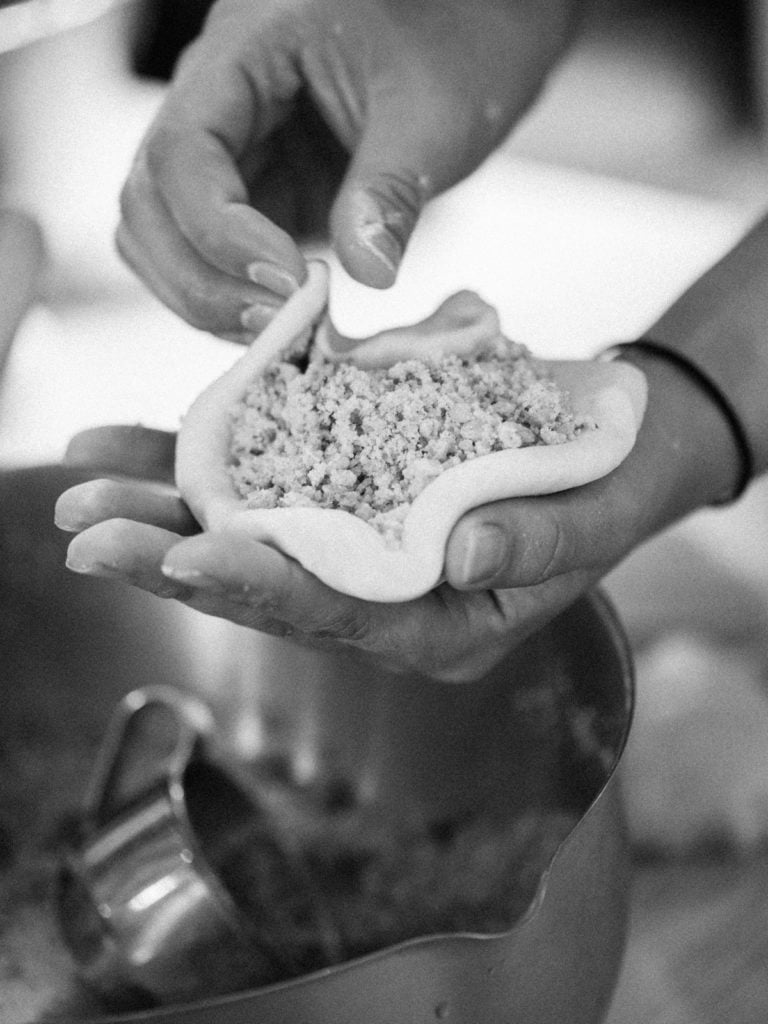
[140, 532]
[290, 119]
[511, 566]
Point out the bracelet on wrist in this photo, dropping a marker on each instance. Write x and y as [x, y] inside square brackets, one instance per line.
[715, 392]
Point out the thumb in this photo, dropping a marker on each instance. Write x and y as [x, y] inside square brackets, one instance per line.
[395, 169]
[526, 541]
[407, 154]
[373, 218]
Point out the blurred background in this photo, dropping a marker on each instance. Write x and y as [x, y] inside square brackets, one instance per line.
[646, 158]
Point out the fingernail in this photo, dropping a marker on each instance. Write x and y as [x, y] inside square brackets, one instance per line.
[382, 244]
[257, 316]
[192, 578]
[486, 553]
[274, 278]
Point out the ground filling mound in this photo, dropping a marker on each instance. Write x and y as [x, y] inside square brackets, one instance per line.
[331, 435]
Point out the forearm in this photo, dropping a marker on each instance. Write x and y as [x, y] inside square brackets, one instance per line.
[721, 324]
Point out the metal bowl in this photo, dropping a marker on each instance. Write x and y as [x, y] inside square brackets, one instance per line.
[542, 734]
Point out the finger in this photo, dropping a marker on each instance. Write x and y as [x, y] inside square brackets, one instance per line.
[447, 635]
[95, 501]
[269, 587]
[415, 144]
[130, 552]
[133, 553]
[150, 243]
[378, 205]
[127, 450]
[524, 542]
[215, 113]
[200, 184]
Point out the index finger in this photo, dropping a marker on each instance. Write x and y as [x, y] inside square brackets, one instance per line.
[191, 157]
[133, 451]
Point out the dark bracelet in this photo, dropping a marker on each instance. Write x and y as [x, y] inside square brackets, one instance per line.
[714, 391]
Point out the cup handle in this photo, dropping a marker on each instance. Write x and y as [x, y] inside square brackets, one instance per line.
[194, 724]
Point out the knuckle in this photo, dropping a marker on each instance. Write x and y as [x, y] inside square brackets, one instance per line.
[120, 530]
[98, 492]
[170, 591]
[535, 556]
[405, 188]
[196, 308]
[552, 550]
[207, 236]
[203, 306]
[344, 624]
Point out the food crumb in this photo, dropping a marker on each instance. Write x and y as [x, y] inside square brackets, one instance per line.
[311, 432]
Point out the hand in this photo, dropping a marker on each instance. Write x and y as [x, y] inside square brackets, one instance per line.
[543, 553]
[288, 118]
[141, 533]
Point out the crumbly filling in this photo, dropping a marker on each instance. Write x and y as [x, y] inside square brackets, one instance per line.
[369, 441]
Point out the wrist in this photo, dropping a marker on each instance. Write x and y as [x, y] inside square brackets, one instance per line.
[719, 324]
[687, 455]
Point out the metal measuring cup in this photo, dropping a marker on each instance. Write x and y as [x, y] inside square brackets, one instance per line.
[144, 901]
